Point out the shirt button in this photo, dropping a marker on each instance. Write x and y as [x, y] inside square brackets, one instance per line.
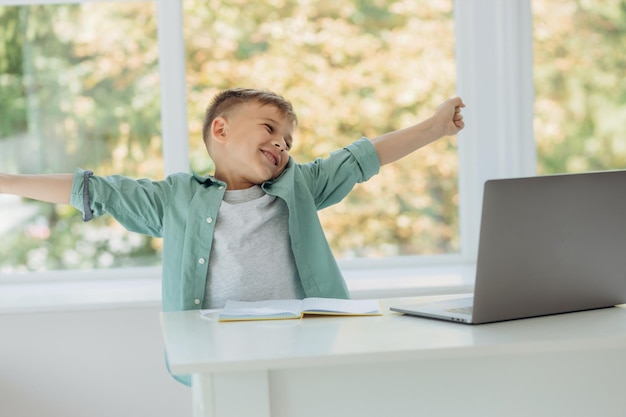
[201, 261]
[209, 220]
[221, 187]
[196, 301]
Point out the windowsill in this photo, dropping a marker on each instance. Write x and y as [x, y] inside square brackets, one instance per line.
[81, 290]
[140, 287]
[407, 281]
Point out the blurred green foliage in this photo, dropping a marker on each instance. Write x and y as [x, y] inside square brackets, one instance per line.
[580, 106]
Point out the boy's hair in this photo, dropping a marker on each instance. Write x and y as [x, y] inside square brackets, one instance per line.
[228, 99]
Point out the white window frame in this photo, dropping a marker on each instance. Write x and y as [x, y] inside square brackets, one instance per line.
[494, 77]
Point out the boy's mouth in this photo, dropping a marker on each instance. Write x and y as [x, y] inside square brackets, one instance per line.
[270, 157]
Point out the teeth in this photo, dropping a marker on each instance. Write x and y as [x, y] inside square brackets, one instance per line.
[271, 157]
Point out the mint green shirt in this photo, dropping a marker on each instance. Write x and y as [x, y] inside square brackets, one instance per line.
[183, 209]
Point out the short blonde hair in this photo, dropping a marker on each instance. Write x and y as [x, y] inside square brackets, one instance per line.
[228, 99]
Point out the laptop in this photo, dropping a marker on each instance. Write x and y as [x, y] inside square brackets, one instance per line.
[548, 245]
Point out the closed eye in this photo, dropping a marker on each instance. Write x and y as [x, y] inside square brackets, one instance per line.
[270, 130]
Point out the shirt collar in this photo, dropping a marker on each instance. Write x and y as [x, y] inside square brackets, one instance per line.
[209, 180]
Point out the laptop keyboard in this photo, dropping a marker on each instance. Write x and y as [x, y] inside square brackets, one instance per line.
[461, 310]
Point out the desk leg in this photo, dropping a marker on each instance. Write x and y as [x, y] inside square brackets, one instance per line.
[233, 394]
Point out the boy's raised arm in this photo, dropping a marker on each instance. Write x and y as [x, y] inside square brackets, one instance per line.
[55, 188]
[447, 120]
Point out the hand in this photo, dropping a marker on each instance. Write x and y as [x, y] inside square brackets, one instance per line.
[448, 116]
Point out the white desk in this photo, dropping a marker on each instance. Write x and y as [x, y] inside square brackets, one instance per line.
[393, 365]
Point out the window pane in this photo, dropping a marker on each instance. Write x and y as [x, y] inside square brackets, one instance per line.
[75, 92]
[580, 86]
[350, 68]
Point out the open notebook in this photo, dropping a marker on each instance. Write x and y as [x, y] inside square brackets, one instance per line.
[296, 309]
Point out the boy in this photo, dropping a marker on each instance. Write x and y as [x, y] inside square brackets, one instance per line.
[251, 230]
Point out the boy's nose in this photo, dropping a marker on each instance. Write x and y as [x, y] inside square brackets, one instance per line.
[280, 145]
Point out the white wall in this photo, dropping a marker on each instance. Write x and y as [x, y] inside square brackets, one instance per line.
[92, 363]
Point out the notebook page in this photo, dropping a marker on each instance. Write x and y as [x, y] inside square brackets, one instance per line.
[340, 306]
[266, 309]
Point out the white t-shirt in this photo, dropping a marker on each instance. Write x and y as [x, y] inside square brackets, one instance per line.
[251, 257]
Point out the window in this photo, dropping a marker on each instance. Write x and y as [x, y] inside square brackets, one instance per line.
[580, 106]
[328, 47]
[351, 68]
[70, 97]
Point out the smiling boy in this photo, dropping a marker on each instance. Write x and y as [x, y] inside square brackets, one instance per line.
[251, 230]
[248, 134]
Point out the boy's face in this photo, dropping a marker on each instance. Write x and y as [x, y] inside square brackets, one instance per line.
[250, 145]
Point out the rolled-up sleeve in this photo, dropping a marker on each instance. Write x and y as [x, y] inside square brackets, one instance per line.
[365, 154]
[80, 197]
[332, 178]
[138, 205]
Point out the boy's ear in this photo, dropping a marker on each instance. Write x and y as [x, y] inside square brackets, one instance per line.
[219, 129]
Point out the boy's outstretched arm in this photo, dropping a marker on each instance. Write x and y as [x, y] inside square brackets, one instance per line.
[54, 188]
[447, 120]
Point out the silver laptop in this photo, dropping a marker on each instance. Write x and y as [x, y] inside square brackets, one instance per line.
[548, 245]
